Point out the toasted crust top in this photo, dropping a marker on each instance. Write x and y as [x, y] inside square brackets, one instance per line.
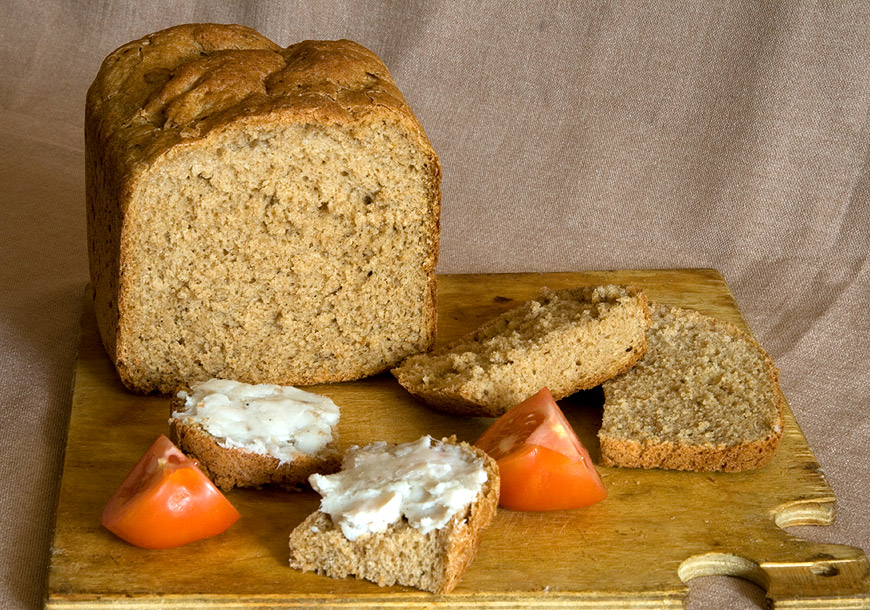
[180, 84]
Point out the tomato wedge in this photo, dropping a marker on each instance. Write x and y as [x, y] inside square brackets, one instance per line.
[167, 501]
[542, 463]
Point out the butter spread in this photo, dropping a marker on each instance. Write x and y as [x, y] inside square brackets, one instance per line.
[425, 481]
[279, 421]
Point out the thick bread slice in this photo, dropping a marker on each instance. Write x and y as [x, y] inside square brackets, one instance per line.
[705, 397]
[401, 555]
[230, 467]
[565, 340]
[256, 212]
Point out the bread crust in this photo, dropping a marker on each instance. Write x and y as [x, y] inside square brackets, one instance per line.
[230, 467]
[674, 456]
[175, 89]
[434, 562]
[643, 453]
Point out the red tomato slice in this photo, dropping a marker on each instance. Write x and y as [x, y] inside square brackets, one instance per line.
[167, 501]
[542, 463]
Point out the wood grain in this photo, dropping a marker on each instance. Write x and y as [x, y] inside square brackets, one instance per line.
[656, 531]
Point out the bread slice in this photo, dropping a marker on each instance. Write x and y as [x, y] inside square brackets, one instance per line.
[255, 212]
[434, 561]
[705, 397]
[281, 457]
[565, 340]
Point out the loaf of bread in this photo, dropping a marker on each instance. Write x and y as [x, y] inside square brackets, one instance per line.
[403, 552]
[246, 435]
[565, 340]
[704, 397]
[255, 212]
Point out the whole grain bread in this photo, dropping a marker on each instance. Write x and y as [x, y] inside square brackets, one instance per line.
[565, 340]
[255, 212]
[230, 467]
[401, 555]
[705, 397]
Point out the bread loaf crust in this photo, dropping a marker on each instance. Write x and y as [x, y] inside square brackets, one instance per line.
[175, 89]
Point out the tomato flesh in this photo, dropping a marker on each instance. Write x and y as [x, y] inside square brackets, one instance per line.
[542, 464]
[167, 501]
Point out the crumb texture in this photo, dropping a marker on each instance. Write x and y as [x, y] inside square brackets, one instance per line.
[565, 340]
[704, 397]
[257, 213]
[401, 555]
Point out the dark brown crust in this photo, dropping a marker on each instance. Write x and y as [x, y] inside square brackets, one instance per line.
[631, 453]
[458, 404]
[176, 87]
[231, 467]
[458, 542]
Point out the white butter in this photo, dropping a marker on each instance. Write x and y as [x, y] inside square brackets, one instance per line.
[279, 421]
[425, 481]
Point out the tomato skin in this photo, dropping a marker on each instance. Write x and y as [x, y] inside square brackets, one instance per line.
[542, 464]
[167, 501]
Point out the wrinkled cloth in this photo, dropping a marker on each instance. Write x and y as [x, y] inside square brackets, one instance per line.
[573, 136]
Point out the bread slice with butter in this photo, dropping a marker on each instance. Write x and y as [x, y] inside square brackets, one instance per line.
[423, 547]
[246, 435]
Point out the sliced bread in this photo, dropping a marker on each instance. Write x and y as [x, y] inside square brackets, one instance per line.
[704, 397]
[256, 212]
[253, 435]
[565, 340]
[404, 552]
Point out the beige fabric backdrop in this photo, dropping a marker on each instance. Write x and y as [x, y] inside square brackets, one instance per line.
[573, 136]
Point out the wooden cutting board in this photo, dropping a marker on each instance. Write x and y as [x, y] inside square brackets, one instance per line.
[637, 549]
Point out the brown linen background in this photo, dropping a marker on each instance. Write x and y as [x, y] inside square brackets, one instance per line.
[733, 135]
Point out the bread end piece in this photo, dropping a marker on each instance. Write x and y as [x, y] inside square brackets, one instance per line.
[401, 555]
